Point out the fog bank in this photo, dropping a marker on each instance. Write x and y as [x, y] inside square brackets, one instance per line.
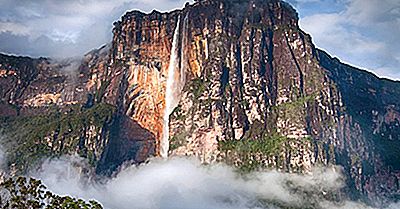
[184, 183]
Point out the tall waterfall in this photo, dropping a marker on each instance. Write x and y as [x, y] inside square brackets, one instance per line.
[184, 55]
[171, 97]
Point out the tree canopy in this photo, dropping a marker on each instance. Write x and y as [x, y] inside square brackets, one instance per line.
[30, 193]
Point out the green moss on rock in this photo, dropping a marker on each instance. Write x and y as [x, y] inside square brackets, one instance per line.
[31, 138]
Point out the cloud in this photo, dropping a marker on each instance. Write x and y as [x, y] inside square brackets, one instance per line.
[13, 28]
[184, 183]
[364, 33]
[311, 7]
[62, 28]
[377, 11]
[339, 37]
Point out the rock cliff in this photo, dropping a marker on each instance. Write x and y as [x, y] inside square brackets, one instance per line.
[55, 107]
[233, 81]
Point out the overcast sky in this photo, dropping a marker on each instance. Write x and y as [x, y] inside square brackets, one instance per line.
[364, 33]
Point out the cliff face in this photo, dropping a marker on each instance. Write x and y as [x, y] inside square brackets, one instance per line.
[51, 107]
[258, 94]
[373, 106]
[244, 85]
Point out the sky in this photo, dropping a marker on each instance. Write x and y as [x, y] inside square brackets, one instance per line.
[363, 33]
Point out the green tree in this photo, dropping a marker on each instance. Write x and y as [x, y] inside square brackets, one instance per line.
[24, 193]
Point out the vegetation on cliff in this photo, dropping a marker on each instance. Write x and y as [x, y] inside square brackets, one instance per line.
[27, 139]
[252, 154]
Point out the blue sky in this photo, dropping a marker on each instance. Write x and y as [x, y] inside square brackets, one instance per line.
[364, 33]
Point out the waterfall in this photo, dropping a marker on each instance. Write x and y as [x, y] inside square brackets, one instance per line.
[184, 57]
[171, 97]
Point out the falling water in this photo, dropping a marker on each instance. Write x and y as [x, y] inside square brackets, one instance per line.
[170, 95]
[184, 57]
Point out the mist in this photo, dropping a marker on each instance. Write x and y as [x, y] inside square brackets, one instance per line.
[185, 183]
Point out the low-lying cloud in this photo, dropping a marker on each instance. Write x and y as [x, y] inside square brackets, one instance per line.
[184, 183]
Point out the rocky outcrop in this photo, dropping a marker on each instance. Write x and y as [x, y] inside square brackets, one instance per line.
[258, 93]
[373, 106]
[141, 56]
[250, 89]
[52, 107]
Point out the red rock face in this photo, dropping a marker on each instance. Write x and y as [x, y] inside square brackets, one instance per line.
[251, 74]
[35, 83]
[141, 54]
[76, 91]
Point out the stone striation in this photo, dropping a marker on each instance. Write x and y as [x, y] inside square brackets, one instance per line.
[373, 107]
[55, 107]
[259, 94]
[253, 91]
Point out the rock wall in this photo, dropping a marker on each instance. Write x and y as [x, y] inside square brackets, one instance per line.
[257, 92]
[55, 107]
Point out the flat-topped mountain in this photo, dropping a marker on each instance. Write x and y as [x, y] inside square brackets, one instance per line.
[231, 81]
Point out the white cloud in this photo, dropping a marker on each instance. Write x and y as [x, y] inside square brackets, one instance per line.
[183, 183]
[14, 28]
[376, 11]
[74, 26]
[364, 34]
[330, 30]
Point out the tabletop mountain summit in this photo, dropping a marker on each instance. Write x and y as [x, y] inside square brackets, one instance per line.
[234, 81]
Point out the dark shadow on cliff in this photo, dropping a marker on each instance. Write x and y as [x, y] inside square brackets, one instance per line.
[373, 104]
[128, 142]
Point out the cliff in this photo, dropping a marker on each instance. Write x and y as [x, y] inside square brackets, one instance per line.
[55, 107]
[231, 81]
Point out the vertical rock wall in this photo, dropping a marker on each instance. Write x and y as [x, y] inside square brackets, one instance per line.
[255, 94]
